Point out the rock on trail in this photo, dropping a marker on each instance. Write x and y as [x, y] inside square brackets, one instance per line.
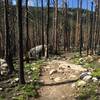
[59, 77]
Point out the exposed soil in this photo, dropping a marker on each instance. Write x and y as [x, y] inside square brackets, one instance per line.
[58, 85]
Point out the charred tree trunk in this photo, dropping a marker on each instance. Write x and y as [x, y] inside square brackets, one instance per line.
[90, 45]
[8, 55]
[42, 27]
[81, 33]
[77, 25]
[55, 24]
[21, 65]
[27, 34]
[47, 33]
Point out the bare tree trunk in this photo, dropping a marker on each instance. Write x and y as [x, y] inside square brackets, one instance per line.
[42, 27]
[81, 33]
[8, 55]
[55, 24]
[21, 65]
[77, 25]
[27, 34]
[90, 45]
[47, 33]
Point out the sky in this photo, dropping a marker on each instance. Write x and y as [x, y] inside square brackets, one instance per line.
[71, 3]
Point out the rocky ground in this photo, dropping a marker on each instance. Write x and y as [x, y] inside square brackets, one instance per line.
[61, 79]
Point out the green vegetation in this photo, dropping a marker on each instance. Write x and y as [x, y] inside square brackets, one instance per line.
[29, 90]
[85, 61]
[96, 73]
[89, 92]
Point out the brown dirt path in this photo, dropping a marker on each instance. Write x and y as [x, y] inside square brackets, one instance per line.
[59, 77]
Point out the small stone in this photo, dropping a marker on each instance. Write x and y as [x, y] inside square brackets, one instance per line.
[30, 80]
[41, 81]
[60, 70]
[82, 75]
[51, 78]
[87, 78]
[57, 79]
[98, 60]
[16, 79]
[73, 77]
[89, 58]
[52, 71]
[94, 79]
[29, 76]
[33, 68]
[73, 85]
[1, 89]
[29, 72]
[2, 61]
[81, 83]
[4, 65]
[89, 73]
[3, 72]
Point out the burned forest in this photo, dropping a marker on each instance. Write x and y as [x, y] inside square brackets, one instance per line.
[49, 49]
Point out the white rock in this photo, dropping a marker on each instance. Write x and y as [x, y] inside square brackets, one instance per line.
[60, 70]
[62, 66]
[81, 83]
[29, 76]
[41, 81]
[4, 65]
[82, 75]
[51, 78]
[73, 85]
[98, 60]
[73, 77]
[94, 79]
[52, 71]
[57, 79]
[87, 78]
[33, 68]
[16, 79]
[89, 58]
[30, 80]
[1, 89]
[89, 73]
[2, 72]
[2, 61]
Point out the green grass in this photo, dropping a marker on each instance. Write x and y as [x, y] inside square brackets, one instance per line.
[34, 69]
[30, 89]
[89, 92]
[96, 73]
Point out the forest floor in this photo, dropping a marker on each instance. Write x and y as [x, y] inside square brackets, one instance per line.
[56, 78]
[59, 77]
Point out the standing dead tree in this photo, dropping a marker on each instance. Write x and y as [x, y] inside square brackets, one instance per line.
[55, 25]
[90, 41]
[42, 11]
[81, 33]
[8, 54]
[21, 64]
[27, 33]
[47, 32]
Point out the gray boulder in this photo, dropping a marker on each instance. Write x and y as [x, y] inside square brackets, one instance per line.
[82, 75]
[94, 79]
[81, 83]
[36, 51]
[87, 78]
[3, 67]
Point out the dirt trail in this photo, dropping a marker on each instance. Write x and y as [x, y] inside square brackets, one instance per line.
[58, 77]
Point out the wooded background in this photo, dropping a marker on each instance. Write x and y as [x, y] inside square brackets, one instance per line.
[63, 28]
